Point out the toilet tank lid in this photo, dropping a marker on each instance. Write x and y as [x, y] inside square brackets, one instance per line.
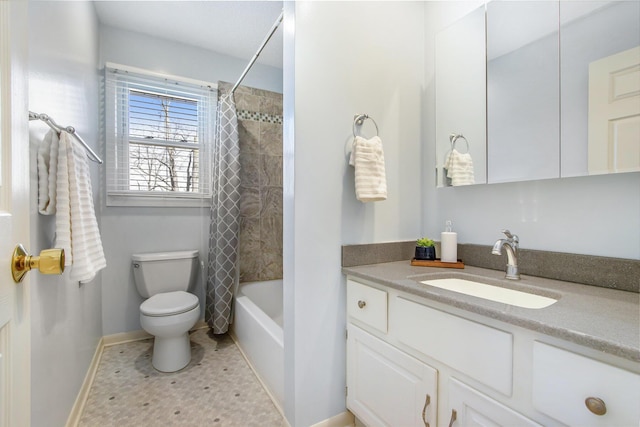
[159, 256]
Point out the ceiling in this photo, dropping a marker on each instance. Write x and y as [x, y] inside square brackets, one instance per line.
[235, 28]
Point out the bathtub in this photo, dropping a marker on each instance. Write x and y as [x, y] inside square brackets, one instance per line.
[257, 329]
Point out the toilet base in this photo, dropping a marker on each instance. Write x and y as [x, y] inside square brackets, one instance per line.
[171, 354]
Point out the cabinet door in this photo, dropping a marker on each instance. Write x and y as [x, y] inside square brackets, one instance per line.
[387, 387]
[468, 407]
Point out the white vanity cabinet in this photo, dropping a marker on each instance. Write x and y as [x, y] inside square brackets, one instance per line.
[385, 386]
[414, 362]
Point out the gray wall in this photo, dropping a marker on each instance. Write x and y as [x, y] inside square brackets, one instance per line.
[66, 321]
[128, 230]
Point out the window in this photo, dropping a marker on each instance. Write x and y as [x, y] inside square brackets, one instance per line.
[159, 137]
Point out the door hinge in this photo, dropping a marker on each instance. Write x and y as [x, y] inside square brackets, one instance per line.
[346, 391]
[346, 334]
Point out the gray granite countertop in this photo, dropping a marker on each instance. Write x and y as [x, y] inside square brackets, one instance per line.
[607, 320]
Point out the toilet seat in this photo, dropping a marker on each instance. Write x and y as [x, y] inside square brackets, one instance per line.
[169, 303]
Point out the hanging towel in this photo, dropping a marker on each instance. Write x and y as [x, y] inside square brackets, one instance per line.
[47, 171]
[368, 159]
[72, 202]
[459, 168]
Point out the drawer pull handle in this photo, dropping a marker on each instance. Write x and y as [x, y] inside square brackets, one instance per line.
[361, 303]
[424, 411]
[596, 405]
[454, 417]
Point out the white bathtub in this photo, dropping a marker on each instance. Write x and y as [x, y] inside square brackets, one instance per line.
[257, 328]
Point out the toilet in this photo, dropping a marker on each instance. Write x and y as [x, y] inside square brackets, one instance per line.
[169, 311]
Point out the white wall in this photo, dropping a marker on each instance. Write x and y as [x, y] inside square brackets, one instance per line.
[349, 58]
[169, 57]
[597, 215]
[133, 230]
[66, 319]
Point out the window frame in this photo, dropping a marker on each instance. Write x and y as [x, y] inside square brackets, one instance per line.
[119, 80]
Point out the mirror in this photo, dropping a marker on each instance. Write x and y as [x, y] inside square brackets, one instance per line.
[461, 96]
[598, 137]
[523, 95]
[549, 83]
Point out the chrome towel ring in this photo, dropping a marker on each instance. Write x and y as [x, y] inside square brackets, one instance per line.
[359, 119]
[454, 137]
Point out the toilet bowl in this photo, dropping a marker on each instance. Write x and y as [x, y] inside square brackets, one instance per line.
[169, 310]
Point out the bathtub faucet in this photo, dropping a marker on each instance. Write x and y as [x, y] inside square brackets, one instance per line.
[511, 245]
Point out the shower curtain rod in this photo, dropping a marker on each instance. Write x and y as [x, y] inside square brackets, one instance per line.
[264, 43]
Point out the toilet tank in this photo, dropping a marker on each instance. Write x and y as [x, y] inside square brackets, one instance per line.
[159, 272]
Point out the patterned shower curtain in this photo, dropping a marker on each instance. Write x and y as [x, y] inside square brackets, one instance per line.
[225, 217]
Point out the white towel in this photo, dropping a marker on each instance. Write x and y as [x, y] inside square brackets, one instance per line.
[47, 170]
[368, 159]
[459, 168]
[76, 226]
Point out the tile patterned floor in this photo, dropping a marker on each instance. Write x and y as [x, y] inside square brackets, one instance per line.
[217, 388]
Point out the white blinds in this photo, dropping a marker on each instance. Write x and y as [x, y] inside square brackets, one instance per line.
[159, 135]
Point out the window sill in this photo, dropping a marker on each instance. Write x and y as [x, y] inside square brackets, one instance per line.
[156, 200]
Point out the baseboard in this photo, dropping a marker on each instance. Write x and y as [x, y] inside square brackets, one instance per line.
[124, 337]
[344, 419]
[140, 335]
[83, 394]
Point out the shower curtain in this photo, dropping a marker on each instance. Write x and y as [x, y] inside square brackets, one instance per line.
[225, 217]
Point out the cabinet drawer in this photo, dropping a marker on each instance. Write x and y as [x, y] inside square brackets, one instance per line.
[367, 304]
[563, 381]
[482, 352]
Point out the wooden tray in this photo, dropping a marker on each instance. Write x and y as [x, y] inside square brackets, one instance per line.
[436, 263]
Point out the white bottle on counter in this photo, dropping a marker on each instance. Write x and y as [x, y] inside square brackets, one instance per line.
[448, 245]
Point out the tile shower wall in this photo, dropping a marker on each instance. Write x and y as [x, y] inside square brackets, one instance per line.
[260, 132]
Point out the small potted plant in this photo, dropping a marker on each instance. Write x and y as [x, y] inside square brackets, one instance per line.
[425, 249]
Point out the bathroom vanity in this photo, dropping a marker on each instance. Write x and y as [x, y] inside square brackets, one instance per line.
[419, 355]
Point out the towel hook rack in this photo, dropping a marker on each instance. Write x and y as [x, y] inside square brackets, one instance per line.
[454, 137]
[69, 129]
[359, 119]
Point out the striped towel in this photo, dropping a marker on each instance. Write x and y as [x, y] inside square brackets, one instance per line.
[459, 168]
[76, 225]
[47, 170]
[368, 159]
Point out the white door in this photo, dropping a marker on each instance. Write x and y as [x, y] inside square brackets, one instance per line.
[614, 113]
[14, 215]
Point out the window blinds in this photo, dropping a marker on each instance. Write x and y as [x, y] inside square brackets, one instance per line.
[159, 134]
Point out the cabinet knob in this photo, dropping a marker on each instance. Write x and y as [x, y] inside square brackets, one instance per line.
[596, 405]
[361, 303]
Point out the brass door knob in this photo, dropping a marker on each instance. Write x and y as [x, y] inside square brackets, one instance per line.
[50, 261]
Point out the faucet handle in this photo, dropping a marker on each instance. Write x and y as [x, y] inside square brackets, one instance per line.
[510, 236]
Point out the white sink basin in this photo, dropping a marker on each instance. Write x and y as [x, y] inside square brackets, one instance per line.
[492, 293]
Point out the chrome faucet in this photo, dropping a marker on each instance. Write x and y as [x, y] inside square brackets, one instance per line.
[511, 245]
